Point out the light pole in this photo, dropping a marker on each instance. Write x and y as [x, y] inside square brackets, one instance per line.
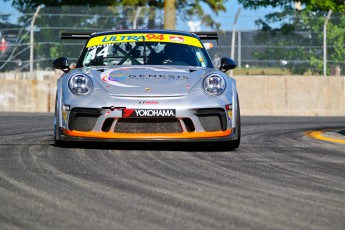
[234, 36]
[32, 27]
[325, 43]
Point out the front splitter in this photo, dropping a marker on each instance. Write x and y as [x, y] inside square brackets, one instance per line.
[227, 135]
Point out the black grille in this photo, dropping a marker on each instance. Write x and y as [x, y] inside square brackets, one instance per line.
[148, 125]
[210, 122]
[84, 122]
[83, 119]
[212, 119]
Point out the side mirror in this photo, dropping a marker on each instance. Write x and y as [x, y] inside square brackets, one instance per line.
[61, 63]
[226, 64]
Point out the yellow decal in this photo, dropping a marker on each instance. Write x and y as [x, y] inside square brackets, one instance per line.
[139, 37]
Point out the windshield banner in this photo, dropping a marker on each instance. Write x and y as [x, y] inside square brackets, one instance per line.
[140, 37]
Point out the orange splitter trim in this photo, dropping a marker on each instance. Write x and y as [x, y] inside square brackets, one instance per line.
[147, 135]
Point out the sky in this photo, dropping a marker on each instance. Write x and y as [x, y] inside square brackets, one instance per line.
[246, 20]
[6, 8]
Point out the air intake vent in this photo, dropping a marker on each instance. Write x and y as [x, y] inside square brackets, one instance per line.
[83, 119]
[212, 119]
[148, 125]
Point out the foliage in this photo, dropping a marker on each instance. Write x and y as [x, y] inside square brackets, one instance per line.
[305, 24]
[89, 16]
[286, 8]
[66, 19]
[187, 9]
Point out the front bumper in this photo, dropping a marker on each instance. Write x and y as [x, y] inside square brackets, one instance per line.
[109, 124]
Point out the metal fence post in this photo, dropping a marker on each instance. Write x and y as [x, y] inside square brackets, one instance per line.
[32, 40]
[239, 50]
[325, 43]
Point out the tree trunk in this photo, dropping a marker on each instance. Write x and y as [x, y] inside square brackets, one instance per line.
[169, 14]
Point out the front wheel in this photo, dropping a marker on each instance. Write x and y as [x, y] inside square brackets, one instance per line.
[56, 132]
[231, 145]
[57, 142]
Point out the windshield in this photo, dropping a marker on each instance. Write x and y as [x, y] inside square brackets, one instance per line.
[145, 49]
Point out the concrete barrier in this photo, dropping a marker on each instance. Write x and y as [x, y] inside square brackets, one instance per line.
[259, 95]
[27, 95]
[291, 95]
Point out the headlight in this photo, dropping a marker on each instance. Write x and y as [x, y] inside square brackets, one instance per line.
[80, 84]
[214, 84]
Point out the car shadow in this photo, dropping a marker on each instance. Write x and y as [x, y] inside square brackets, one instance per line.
[341, 132]
[159, 146]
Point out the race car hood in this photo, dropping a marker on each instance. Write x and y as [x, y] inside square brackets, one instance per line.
[148, 80]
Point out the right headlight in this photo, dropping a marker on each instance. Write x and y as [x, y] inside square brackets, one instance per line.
[80, 84]
[214, 84]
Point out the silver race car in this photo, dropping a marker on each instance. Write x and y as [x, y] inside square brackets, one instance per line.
[146, 85]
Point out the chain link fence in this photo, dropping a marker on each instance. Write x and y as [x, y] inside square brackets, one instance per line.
[296, 50]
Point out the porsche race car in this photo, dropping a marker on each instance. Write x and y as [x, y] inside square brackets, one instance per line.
[146, 85]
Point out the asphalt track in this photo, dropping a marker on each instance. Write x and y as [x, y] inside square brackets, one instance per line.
[281, 177]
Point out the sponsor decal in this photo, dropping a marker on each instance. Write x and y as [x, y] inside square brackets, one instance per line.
[116, 77]
[160, 69]
[64, 115]
[176, 38]
[132, 37]
[228, 107]
[148, 102]
[158, 77]
[148, 113]
[112, 78]
[139, 37]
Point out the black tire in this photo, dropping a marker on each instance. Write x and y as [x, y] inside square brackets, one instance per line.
[57, 143]
[231, 145]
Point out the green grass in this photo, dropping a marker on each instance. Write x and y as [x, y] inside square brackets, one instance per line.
[261, 71]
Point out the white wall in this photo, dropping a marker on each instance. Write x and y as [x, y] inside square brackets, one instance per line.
[259, 95]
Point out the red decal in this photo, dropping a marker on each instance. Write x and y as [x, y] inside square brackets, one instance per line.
[127, 112]
[160, 37]
[150, 36]
[149, 102]
[176, 38]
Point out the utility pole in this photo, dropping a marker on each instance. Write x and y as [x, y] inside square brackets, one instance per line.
[170, 14]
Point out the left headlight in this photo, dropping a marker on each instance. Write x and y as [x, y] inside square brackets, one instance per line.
[214, 84]
[80, 84]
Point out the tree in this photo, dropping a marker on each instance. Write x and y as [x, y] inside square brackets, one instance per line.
[186, 8]
[75, 15]
[286, 8]
[301, 31]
